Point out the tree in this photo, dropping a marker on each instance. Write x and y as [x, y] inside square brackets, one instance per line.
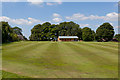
[36, 33]
[9, 34]
[79, 34]
[13, 37]
[44, 32]
[68, 29]
[87, 34]
[17, 30]
[105, 32]
[53, 32]
[94, 34]
[117, 36]
[48, 31]
[6, 31]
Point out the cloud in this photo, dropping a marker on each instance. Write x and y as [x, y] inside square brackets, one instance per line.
[35, 2]
[11, 0]
[50, 4]
[28, 21]
[40, 2]
[111, 16]
[53, 3]
[57, 19]
[58, 1]
[79, 16]
[108, 17]
[56, 15]
[84, 25]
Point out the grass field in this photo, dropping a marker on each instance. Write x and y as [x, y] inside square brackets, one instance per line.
[61, 59]
[11, 75]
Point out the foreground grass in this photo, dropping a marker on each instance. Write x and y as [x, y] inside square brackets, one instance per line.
[11, 75]
[61, 59]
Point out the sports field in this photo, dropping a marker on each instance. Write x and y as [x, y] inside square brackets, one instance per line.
[61, 59]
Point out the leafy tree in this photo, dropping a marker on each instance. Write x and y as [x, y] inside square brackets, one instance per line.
[87, 34]
[6, 31]
[94, 34]
[44, 32]
[117, 36]
[79, 34]
[14, 37]
[53, 32]
[36, 33]
[9, 34]
[17, 30]
[105, 32]
[68, 29]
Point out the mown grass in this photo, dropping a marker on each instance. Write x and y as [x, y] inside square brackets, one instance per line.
[61, 59]
[11, 75]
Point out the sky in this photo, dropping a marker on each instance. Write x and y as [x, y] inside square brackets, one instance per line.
[87, 14]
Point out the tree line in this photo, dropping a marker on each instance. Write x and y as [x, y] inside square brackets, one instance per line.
[10, 34]
[48, 32]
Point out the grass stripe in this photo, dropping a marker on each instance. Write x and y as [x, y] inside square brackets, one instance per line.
[91, 58]
[73, 60]
[102, 51]
[104, 47]
[14, 44]
[52, 60]
[90, 53]
[60, 60]
[111, 56]
[105, 44]
[26, 60]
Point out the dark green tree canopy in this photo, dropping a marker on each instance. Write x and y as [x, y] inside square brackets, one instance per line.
[117, 36]
[6, 32]
[48, 31]
[105, 32]
[87, 34]
[68, 29]
[44, 32]
[79, 33]
[9, 34]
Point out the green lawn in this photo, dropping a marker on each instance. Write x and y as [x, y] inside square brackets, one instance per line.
[61, 59]
[11, 75]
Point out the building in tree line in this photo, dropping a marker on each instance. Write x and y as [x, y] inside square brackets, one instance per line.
[67, 38]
